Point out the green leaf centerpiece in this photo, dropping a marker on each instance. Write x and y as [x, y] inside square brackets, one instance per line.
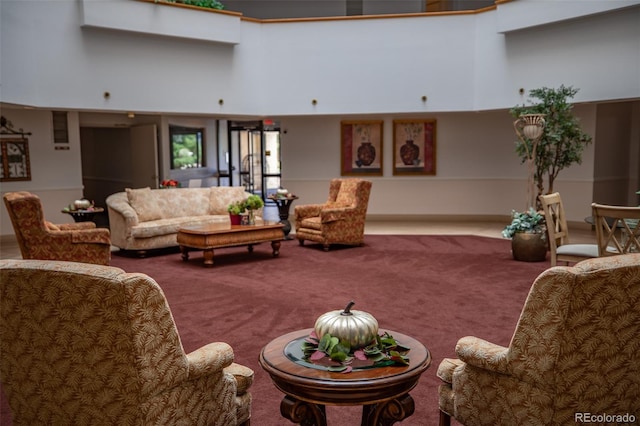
[337, 355]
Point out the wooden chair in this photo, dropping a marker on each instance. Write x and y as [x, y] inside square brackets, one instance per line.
[617, 229]
[558, 232]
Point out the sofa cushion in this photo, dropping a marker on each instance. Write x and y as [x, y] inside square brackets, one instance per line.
[144, 203]
[178, 203]
[160, 227]
[220, 197]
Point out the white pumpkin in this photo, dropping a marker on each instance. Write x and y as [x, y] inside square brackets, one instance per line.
[82, 204]
[356, 327]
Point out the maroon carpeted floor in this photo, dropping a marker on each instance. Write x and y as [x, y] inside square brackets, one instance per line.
[434, 288]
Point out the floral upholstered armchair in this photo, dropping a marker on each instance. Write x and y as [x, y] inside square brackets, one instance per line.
[89, 344]
[40, 239]
[338, 221]
[575, 352]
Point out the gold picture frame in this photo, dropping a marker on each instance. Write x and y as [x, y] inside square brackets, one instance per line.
[361, 147]
[414, 147]
[14, 160]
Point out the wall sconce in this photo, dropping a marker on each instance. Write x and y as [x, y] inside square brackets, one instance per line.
[131, 114]
[521, 91]
[220, 101]
[106, 95]
[424, 98]
[314, 102]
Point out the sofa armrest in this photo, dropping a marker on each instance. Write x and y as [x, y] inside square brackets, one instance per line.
[208, 359]
[122, 217]
[119, 204]
[482, 354]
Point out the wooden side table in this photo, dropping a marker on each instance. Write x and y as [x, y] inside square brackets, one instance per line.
[383, 392]
[83, 215]
[284, 205]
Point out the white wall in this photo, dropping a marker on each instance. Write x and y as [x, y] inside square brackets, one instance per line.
[478, 172]
[468, 66]
[462, 62]
[56, 176]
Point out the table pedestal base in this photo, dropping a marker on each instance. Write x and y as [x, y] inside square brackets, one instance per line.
[384, 413]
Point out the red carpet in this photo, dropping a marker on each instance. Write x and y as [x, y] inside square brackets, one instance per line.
[434, 288]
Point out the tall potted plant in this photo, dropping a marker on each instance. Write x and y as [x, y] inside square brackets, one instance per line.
[562, 142]
[560, 145]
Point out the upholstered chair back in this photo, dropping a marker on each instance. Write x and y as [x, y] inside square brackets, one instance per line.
[575, 349]
[27, 218]
[88, 344]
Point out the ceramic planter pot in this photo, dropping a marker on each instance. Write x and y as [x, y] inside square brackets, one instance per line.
[236, 219]
[529, 247]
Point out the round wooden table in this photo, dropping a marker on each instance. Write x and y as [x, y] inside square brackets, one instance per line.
[383, 392]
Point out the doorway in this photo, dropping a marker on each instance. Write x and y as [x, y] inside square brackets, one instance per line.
[255, 156]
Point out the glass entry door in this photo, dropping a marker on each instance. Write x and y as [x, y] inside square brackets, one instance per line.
[256, 163]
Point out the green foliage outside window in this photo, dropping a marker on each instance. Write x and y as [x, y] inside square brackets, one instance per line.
[186, 147]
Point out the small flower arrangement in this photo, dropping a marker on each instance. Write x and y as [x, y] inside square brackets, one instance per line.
[254, 202]
[530, 221]
[170, 183]
[337, 356]
[237, 207]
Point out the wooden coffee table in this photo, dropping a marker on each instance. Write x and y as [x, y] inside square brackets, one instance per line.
[383, 392]
[219, 235]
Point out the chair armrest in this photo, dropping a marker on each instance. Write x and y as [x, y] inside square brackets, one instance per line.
[76, 226]
[332, 214]
[307, 210]
[482, 354]
[89, 236]
[208, 359]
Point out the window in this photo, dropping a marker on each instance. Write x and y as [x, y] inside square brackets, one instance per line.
[186, 147]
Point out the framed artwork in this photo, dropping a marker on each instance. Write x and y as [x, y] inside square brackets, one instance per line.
[414, 147]
[14, 160]
[361, 147]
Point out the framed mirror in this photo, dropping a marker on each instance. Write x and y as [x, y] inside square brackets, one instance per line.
[14, 160]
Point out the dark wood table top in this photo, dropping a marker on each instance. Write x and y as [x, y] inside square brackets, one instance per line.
[361, 386]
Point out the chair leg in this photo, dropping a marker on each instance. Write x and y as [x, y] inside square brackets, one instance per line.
[445, 419]
[325, 247]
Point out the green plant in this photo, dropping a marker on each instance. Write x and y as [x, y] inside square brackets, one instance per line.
[253, 202]
[237, 207]
[562, 141]
[208, 4]
[530, 221]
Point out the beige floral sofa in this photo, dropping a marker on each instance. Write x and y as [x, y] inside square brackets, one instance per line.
[144, 219]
